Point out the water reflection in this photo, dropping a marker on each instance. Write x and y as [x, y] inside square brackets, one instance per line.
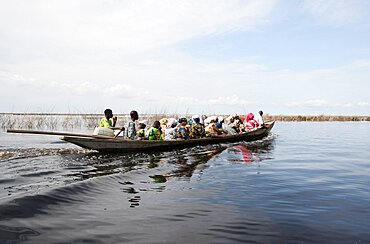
[46, 168]
[188, 163]
[251, 152]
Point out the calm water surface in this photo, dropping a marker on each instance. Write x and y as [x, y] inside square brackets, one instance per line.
[304, 183]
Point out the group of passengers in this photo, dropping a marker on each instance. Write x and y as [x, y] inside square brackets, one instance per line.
[183, 129]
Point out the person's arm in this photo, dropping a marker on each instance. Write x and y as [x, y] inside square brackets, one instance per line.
[114, 121]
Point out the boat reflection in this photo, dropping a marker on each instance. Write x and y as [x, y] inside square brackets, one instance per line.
[154, 170]
[252, 152]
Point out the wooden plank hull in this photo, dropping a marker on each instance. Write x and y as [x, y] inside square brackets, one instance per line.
[118, 145]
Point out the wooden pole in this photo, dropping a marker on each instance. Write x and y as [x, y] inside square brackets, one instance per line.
[56, 133]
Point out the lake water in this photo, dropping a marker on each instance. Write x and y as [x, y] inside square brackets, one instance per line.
[304, 183]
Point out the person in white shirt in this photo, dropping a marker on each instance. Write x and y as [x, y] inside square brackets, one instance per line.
[170, 131]
[259, 118]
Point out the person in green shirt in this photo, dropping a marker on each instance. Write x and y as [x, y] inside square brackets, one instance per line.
[109, 121]
[155, 133]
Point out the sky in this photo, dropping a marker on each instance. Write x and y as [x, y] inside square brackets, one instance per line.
[185, 57]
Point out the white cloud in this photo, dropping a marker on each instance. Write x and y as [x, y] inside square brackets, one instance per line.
[119, 28]
[120, 91]
[316, 102]
[363, 104]
[337, 12]
[233, 100]
[9, 77]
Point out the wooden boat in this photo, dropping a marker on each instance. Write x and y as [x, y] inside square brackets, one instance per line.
[116, 145]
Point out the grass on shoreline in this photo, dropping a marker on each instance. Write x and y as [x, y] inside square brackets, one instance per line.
[53, 121]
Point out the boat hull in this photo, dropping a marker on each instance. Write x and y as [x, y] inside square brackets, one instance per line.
[118, 145]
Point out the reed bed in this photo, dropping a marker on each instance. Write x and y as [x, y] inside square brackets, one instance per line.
[315, 118]
[89, 121]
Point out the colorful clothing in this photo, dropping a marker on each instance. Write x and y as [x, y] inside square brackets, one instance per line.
[140, 133]
[250, 123]
[170, 134]
[154, 134]
[197, 131]
[130, 131]
[211, 129]
[105, 123]
[181, 133]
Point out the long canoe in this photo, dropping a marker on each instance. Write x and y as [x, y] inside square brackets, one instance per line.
[108, 144]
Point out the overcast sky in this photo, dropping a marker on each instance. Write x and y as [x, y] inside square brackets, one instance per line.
[201, 56]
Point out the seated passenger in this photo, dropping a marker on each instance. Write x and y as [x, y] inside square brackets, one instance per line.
[181, 132]
[170, 131]
[229, 125]
[210, 119]
[197, 129]
[202, 118]
[250, 123]
[163, 122]
[220, 129]
[155, 132]
[212, 130]
[141, 132]
[224, 128]
[107, 120]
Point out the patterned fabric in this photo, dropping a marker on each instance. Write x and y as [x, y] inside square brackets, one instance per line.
[170, 134]
[140, 133]
[181, 133]
[130, 131]
[211, 129]
[105, 123]
[154, 134]
[250, 123]
[197, 131]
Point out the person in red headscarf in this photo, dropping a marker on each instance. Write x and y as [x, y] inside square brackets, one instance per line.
[250, 122]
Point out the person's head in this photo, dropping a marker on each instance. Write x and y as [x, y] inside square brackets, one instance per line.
[260, 112]
[141, 126]
[213, 119]
[219, 125]
[157, 124]
[163, 121]
[108, 113]
[173, 123]
[250, 116]
[134, 115]
[220, 119]
[196, 118]
[183, 121]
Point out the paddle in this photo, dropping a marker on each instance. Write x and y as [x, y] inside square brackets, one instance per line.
[53, 133]
[123, 128]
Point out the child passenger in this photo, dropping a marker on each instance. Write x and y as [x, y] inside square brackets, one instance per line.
[155, 132]
[140, 134]
[131, 127]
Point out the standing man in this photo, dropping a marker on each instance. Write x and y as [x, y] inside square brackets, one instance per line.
[130, 133]
[259, 118]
